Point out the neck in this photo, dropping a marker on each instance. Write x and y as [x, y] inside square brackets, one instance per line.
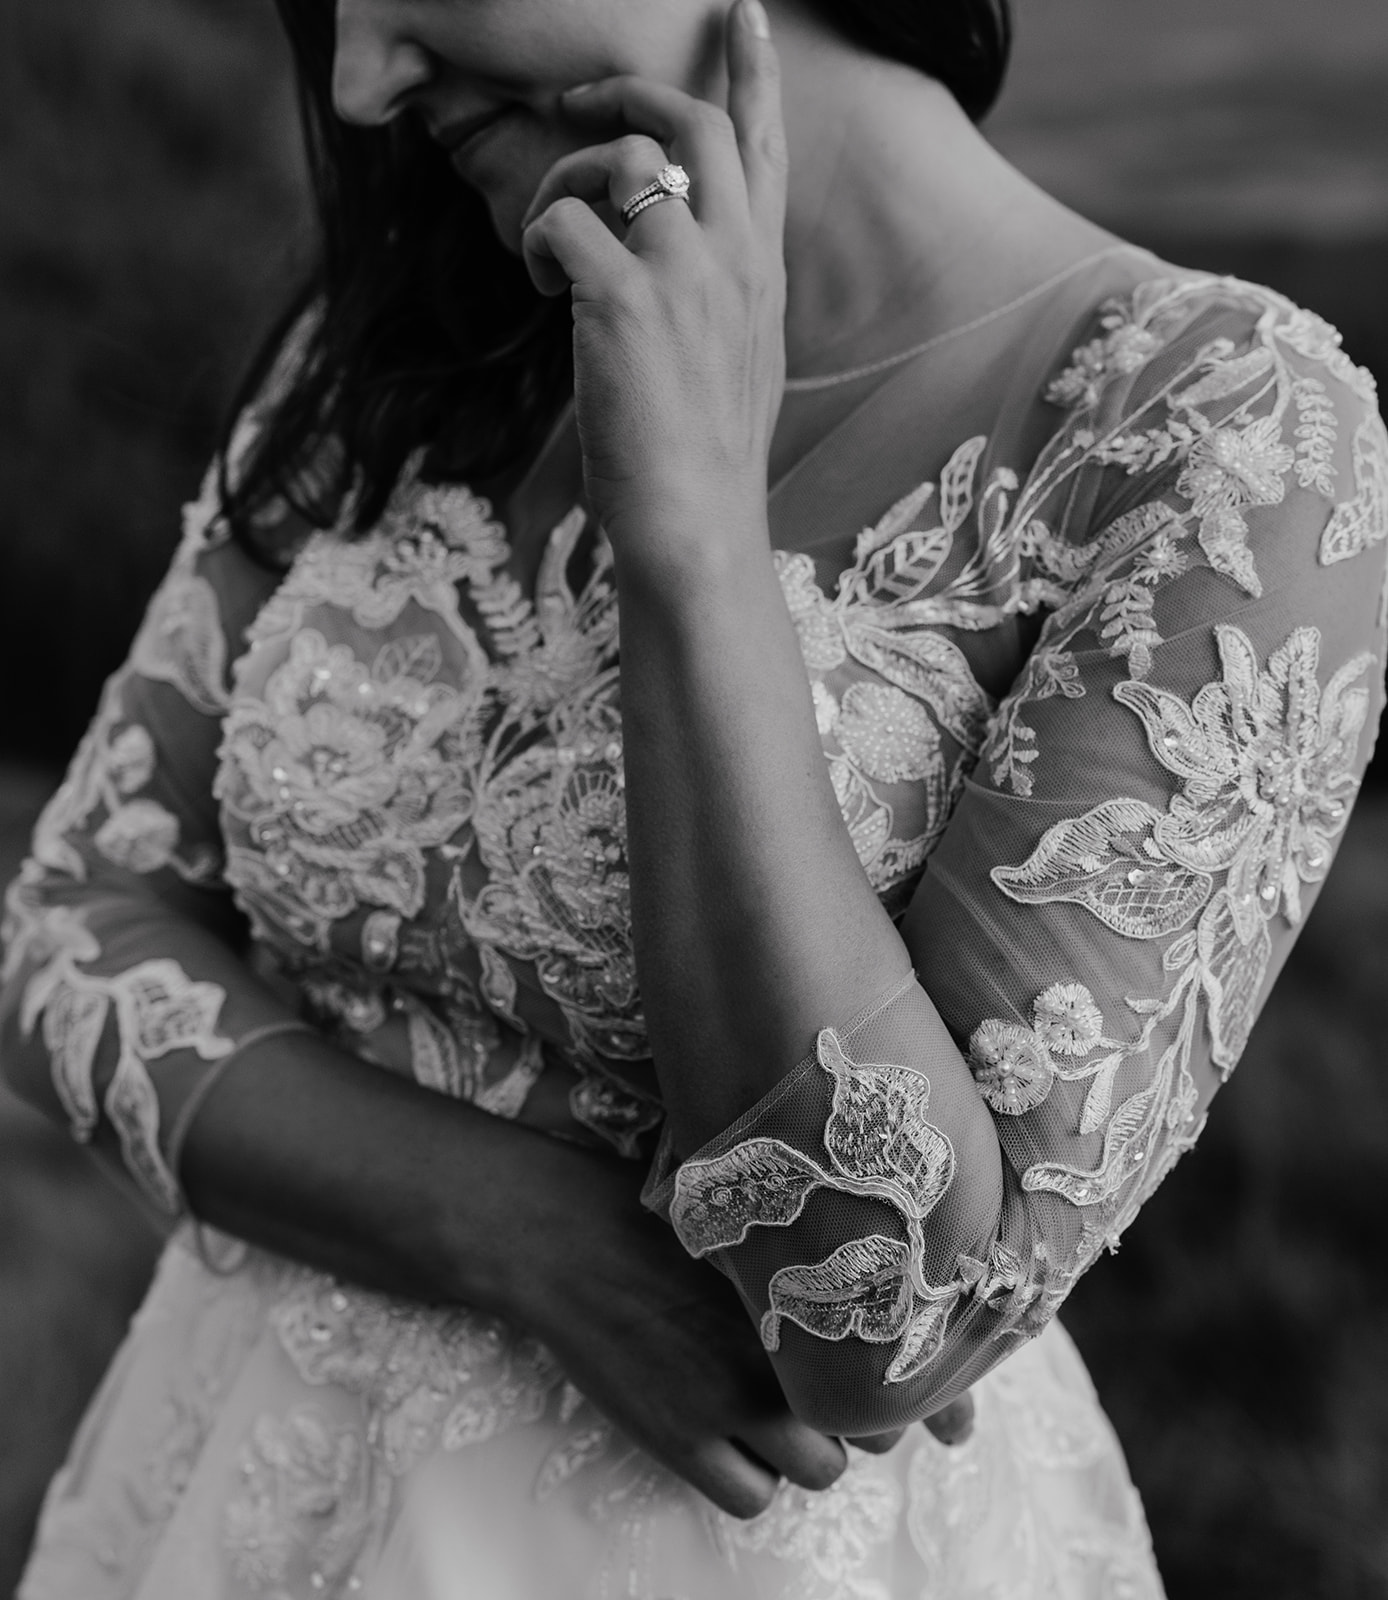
[903, 222]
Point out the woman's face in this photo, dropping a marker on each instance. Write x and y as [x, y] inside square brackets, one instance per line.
[485, 76]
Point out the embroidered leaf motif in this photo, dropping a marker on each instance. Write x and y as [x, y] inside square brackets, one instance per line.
[1343, 710]
[862, 1289]
[923, 1340]
[418, 656]
[1010, 749]
[1232, 970]
[133, 1108]
[1125, 1149]
[869, 822]
[1224, 539]
[1190, 740]
[1362, 521]
[897, 521]
[1100, 1097]
[957, 483]
[162, 1009]
[554, 599]
[181, 643]
[879, 1129]
[1225, 377]
[758, 1183]
[906, 567]
[72, 1024]
[1107, 862]
[434, 1057]
[1129, 624]
[1316, 434]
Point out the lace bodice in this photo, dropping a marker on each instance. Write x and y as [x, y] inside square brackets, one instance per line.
[1095, 688]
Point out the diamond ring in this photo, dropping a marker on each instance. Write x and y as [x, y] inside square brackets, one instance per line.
[671, 183]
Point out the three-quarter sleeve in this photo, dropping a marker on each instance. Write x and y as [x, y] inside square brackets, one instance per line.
[122, 980]
[1153, 806]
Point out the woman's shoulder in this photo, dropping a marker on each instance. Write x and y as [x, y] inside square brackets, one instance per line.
[1224, 405]
[1159, 320]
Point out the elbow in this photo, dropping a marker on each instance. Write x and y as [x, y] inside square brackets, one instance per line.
[839, 1409]
[844, 1390]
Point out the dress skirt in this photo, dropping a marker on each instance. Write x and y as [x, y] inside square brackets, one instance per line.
[267, 1432]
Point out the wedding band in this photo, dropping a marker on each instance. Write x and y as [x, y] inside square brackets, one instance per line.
[671, 183]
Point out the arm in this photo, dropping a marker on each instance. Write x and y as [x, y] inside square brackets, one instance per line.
[1116, 888]
[125, 986]
[1103, 917]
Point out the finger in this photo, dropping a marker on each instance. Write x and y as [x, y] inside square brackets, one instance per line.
[568, 245]
[605, 176]
[754, 104]
[729, 1477]
[952, 1424]
[878, 1444]
[785, 1446]
[697, 134]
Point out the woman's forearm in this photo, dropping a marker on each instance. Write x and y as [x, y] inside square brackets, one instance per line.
[298, 1146]
[307, 1151]
[732, 819]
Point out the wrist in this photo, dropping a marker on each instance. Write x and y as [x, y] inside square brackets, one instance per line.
[504, 1239]
[682, 555]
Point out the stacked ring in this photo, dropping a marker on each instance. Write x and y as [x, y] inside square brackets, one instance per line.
[671, 183]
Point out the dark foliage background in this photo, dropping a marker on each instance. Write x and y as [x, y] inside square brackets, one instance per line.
[149, 222]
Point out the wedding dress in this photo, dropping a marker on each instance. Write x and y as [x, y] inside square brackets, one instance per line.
[1096, 682]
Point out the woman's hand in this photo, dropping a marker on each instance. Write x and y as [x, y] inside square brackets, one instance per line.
[658, 1342]
[679, 323]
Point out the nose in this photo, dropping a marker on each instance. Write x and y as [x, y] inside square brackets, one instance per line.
[375, 66]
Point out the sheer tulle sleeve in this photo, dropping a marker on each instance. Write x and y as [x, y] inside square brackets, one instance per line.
[1153, 806]
[122, 978]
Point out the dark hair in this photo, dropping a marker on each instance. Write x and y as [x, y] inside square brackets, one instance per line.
[422, 319]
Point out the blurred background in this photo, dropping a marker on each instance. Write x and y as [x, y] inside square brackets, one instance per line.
[150, 220]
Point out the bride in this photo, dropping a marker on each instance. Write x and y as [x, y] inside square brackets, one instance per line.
[1001, 626]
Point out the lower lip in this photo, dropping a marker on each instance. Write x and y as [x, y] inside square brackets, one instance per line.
[461, 155]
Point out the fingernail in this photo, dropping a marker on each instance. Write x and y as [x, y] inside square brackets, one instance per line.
[578, 89]
[757, 19]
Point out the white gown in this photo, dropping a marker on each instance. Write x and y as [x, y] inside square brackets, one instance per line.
[1095, 686]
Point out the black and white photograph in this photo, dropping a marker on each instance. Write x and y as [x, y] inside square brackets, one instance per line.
[695, 885]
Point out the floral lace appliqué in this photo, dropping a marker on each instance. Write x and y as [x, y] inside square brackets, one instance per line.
[427, 1379]
[828, 1537]
[1265, 758]
[881, 1145]
[156, 1009]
